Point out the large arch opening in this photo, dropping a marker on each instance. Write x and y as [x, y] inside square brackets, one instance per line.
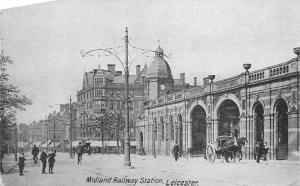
[228, 119]
[141, 140]
[162, 128]
[171, 128]
[180, 131]
[198, 118]
[282, 129]
[259, 122]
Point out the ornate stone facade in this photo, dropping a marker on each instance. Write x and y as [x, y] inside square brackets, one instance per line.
[261, 105]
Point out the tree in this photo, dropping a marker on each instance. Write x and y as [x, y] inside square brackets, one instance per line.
[117, 125]
[109, 122]
[11, 100]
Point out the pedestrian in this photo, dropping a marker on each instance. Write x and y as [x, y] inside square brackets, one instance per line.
[35, 152]
[258, 150]
[266, 150]
[79, 151]
[175, 151]
[51, 160]
[21, 163]
[44, 160]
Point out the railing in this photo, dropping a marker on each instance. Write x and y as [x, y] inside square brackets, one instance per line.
[258, 75]
[229, 82]
[274, 71]
[196, 91]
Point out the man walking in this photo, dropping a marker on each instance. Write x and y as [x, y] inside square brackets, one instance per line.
[44, 160]
[175, 151]
[51, 161]
[35, 152]
[258, 149]
[266, 150]
[79, 152]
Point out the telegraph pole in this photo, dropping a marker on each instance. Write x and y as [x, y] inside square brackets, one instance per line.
[54, 129]
[127, 137]
[70, 110]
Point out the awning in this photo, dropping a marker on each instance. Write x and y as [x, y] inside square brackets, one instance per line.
[108, 143]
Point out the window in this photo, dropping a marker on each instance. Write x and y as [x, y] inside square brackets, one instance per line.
[135, 105]
[99, 92]
[172, 128]
[98, 81]
[162, 128]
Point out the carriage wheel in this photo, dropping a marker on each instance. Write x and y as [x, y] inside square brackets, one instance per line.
[210, 153]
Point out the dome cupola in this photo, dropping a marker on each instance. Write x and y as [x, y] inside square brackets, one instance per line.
[159, 68]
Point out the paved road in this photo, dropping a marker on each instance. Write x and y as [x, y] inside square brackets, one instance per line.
[108, 170]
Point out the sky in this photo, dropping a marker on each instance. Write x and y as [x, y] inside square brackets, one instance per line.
[200, 37]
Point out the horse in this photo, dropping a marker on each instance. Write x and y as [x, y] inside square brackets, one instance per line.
[233, 149]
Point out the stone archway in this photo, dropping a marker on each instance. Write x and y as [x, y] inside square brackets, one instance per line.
[162, 128]
[141, 137]
[258, 119]
[228, 119]
[172, 128]
[198, 120]
[180, 131]
[281, 109]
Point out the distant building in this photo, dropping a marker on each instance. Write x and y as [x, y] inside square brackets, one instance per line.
[35, 132]
[105, 89]
[56, 126]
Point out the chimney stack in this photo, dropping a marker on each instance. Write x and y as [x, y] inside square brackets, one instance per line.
[111, 67]
[138, 69]
[195, 81]
[118, 73]
[182, 78]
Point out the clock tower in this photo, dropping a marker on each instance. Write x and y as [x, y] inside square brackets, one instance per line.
[159, 77]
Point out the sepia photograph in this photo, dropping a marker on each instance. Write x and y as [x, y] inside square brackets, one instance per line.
[150, 93]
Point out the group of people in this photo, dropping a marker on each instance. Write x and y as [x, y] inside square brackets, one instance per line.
[51, 160]
[43, 157]
[261, 150]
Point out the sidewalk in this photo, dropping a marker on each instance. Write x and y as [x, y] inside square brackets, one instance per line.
[9, 162]
[160, 171]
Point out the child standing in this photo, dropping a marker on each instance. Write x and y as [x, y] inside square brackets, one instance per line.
[21, 163]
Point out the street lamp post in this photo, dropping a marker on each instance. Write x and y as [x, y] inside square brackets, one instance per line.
[54, 130]
[247, 66]
[126, 133]
[70, 127]
[16, 143]
[127, 139]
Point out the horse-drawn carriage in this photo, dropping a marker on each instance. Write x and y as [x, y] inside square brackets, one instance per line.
[226, 148]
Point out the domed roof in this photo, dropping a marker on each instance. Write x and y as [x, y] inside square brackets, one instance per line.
[159, 68]
[159, 50]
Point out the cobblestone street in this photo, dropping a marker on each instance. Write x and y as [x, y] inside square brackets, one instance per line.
[109, 170]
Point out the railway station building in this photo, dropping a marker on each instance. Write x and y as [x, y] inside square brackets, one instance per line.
[261, 105]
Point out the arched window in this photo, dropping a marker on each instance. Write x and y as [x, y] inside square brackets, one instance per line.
[155, 129]
[172, 128]
[162, 128]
